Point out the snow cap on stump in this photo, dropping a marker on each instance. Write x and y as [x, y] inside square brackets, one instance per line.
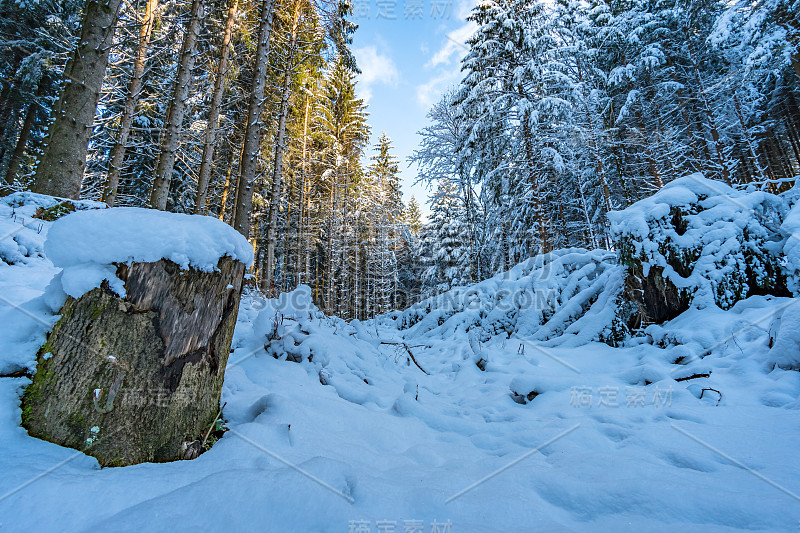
[88, 244]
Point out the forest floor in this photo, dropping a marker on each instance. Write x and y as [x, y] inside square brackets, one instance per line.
[333, 426]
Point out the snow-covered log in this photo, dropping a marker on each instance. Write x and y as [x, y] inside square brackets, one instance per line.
[133, 370]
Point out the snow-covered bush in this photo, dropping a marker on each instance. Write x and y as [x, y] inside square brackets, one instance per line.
[699, 242]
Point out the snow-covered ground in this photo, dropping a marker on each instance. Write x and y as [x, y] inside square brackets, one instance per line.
[333, 426]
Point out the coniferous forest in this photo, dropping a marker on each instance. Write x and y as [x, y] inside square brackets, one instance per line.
[218, 310]
[248, 111]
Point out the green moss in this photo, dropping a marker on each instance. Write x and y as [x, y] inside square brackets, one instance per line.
[115, 463]
[44, 379]
[97, 310]
[55, 212]
[33, 392]
[78, 426]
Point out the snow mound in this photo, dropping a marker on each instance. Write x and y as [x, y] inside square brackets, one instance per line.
[712, 243]
[791, 249]
[88, 244]
[24, 220]
[564, 297]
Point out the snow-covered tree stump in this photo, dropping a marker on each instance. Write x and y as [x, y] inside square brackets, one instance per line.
[698, 242]
[133, 369]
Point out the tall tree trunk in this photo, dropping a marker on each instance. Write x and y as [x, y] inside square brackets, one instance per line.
[651, 160]
[796, 63]
[22, 140]
[213, 112]
[226, 188]
[177, 107]
[134, 89]
[302, 253]
[252, 136]
[598, 160]
[793, 123]
[277, 174]
[751, 146]
[544, 245]
[329, 270]
[6, 102]
[712, 124]
[60, 170]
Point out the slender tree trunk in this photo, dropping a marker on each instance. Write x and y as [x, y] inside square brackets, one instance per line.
[22, 140]
[6, 103]
[213, 112]
[226, 189]
[588, 219]
[10, 134]
[171, 135]
[783, 157]
[287, 264]
[302, 253]
[275, 198]
[751, 146]
[134, 89]
[598, 160]
[60, 170]
[712, 124]
[796, 64]
[793, 123]
[329, 252]
[248, 163]
[544, 245]
[651, 161]
[670, 168]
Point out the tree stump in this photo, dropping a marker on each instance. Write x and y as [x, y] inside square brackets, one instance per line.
[137, 379]
[698, 242]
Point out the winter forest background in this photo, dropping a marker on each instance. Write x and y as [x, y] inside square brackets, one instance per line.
[247, 111]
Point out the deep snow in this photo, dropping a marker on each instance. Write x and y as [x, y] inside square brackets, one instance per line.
[333, 427]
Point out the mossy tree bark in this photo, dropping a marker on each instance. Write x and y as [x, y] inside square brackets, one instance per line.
[131, 380]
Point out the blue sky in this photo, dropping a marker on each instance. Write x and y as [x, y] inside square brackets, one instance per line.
[409, 52]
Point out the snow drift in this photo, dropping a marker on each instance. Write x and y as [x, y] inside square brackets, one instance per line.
[479, 410]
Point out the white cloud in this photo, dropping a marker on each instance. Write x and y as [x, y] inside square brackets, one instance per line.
[454, 47]
[428, 93]
[446, 65]
[375, 68]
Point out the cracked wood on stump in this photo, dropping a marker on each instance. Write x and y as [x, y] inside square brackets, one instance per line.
[130, 380]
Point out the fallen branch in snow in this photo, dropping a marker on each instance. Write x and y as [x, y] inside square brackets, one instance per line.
[22, 373]
[694, 376]
[404, 345]
[715, 390]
